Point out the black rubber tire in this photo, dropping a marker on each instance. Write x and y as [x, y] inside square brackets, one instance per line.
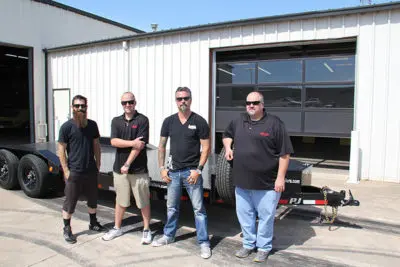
[33, 175]
[8, 170]
[224, 179]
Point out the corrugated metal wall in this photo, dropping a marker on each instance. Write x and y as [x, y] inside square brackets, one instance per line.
[159, 64]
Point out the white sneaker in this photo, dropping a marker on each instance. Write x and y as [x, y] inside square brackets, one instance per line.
[146, 237]
[113, 233]
[205, 251]
[162, 241]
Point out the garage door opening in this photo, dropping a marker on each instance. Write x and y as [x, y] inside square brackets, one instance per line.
[15, 114]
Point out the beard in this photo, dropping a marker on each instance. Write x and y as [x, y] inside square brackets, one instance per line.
[183, 107]
[251, 112]
[80, 118]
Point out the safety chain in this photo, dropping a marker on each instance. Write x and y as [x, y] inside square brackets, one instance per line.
[334, 209]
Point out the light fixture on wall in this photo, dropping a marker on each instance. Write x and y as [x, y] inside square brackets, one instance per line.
[230, 73]
[328, 67]
[264, 70]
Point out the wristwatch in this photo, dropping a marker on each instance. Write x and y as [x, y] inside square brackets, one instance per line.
[199, 169]
[127, 165]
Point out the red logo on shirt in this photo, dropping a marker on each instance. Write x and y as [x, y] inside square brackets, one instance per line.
[134, 126]
[264, 134]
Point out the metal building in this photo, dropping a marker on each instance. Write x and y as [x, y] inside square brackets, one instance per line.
[26, 28]
[329, 73]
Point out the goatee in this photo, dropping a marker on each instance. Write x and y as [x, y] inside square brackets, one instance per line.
[80, 118]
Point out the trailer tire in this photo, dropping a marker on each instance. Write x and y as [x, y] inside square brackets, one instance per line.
[224, 179]
[8, 170]
[33, 175]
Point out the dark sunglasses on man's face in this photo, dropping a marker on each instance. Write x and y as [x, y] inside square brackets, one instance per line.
[186, 98]
[131, 102]
[79, 105]
[255, 103]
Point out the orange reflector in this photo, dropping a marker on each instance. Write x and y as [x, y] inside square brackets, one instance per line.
[206, 194]
[184, 198]
[99, 186]
[50, 169]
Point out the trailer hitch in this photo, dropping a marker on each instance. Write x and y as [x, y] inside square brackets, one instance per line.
[351, 201]
[343, 202]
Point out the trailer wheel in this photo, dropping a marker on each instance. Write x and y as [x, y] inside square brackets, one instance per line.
[224, 179]
[32, 175]
[8, 169]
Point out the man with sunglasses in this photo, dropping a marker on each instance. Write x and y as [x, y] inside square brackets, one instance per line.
[129, 134]
[188, 131]
[80, 157]
[261, 157]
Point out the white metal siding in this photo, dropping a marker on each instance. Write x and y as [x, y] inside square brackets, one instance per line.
[32, 24]
[159, 64]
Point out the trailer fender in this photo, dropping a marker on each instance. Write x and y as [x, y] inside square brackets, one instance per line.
[224, 179]
[33, 175]
[8, 169]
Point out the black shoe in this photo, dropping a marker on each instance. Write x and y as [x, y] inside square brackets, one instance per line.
[97, 227]
[68, 236]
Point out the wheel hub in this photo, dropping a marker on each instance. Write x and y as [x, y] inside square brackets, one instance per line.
[3, 171]
[30, 179]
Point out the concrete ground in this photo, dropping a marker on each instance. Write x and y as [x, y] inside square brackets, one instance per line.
[368, 235]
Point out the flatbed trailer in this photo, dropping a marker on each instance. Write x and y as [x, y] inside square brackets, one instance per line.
[36, 169]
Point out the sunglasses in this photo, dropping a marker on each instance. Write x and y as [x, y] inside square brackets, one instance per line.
[131, 102]
[255, 103]
[79, 105]
[186, 98]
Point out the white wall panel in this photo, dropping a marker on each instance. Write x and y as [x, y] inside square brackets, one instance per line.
[247, 35]
[159, 64]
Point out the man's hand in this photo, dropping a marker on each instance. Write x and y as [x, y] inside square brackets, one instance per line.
[229, 154]
[66, 175]
[280, 184]
[138, 143]
[194, 175]
[124, 169]
[164, 176]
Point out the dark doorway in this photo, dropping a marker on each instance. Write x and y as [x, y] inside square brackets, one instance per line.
[15, 112]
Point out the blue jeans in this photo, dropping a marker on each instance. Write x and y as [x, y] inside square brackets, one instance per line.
[249, 205]
[195, 192]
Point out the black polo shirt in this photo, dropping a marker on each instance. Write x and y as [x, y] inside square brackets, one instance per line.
[80, 147]
[185, 140]
[130, 130]
[257, 148]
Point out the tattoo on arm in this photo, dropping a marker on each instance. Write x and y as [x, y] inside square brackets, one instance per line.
[161, 150]
[61, 151]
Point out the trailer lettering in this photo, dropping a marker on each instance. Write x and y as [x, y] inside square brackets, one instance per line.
[295, 201]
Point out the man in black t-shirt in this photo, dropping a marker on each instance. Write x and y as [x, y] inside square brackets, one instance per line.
[80, 157]
[188, 131]
[261, 157]
[129, 134]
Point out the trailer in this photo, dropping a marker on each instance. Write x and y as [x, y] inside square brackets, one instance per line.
[36, 169]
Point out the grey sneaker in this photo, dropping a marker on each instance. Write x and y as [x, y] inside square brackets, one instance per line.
[113, 233]
[205, 251]
[146, 237]
[261, 256]
[243, 252]
[162, 241]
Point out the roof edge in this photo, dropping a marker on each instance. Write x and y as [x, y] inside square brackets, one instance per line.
[243, 22]
[87, 14]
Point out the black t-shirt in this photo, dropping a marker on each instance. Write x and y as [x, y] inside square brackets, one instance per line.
[130, 130]
[80, 145]
[257, 148]
[185, 140]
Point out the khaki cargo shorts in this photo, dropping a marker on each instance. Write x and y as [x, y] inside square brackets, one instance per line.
[138, 183]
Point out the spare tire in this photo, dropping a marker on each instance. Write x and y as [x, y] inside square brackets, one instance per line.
[8, 169]
[224, 179]
[33, 176]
